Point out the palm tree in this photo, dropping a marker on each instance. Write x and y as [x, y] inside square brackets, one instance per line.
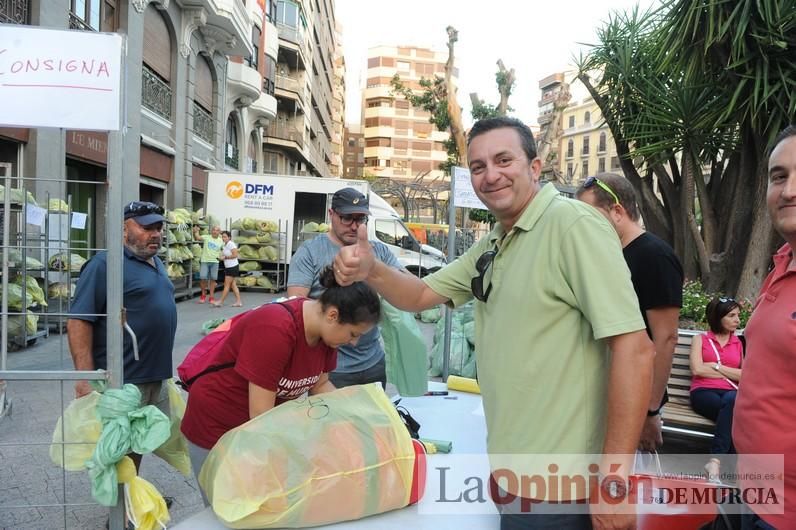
[697, 90]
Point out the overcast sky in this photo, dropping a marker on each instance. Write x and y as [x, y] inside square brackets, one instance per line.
[535, 37]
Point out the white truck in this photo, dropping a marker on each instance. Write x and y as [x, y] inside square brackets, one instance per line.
[294, 201]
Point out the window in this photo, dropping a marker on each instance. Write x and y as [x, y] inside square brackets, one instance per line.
[585, 168]
[270, 10]
[373, 62]
[570, 148]
[403, 66]
[585, 146]
[393, 233]
[587, 117]
[270, 162]
[352, 142]
[251, 154]
[601, 145]
[570, 170]
[269, 79]
[614, 163]
[571, 121]
[601, 165]
[254, 59]
[231, 144]
[287, 13]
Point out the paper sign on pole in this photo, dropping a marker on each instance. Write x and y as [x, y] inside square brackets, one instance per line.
[55, 78]
[79, 220]
[34, 215]
[463, 194]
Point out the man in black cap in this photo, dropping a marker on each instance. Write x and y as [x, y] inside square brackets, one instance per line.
[149, 304]
[363, 363]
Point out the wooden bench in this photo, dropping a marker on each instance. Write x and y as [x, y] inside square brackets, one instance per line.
[678, 417]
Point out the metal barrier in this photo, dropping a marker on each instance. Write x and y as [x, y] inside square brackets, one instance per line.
[19, 481]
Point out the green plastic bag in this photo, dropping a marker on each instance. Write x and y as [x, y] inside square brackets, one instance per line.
[126, 427]
[210, 325]
[405, 351]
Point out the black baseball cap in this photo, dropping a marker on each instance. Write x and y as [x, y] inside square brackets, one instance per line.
[348, 201]
[144, 213]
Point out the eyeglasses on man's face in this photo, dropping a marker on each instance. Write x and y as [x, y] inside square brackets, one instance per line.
[725, 299]
[144, 208]
[477, 283]
[348, 219]
[591, 181]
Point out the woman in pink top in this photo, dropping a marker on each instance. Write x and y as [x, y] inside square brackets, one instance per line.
[715, 371]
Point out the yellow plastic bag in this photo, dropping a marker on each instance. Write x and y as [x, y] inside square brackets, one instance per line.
[146, 508]
[312, 461]
[175, 450]
[80, 428]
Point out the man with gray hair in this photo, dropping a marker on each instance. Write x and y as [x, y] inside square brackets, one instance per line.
[657, 277]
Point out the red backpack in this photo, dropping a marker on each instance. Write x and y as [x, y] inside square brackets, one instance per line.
[201, 359]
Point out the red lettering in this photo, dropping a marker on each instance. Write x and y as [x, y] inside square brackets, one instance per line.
[71, 66]
[48, 64]
[501, 495]
[31, 66]
[87, 69]
[103, 69]
[17, 66]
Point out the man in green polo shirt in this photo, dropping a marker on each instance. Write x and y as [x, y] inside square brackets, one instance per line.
[564, 363]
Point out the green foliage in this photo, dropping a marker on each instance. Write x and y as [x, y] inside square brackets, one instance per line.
[482, 216]
[695, 300]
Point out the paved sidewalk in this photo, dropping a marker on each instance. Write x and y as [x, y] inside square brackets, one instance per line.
[27, 476]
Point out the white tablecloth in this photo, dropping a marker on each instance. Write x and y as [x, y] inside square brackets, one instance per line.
[458, 420]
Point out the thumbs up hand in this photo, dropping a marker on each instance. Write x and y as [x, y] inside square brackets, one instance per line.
[354, 262]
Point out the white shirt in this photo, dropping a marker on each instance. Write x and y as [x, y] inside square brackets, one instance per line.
[227, 251]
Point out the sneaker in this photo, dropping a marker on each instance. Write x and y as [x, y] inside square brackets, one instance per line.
[212, 300]
[202, 299]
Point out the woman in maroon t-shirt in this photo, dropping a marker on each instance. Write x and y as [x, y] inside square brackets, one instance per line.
[276, 353]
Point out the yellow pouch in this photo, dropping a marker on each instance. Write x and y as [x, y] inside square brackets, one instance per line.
[175, 450]
[80, 428]
[315, 460]
[146, 508]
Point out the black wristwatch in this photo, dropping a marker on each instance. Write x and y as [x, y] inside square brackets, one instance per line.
[656, 412]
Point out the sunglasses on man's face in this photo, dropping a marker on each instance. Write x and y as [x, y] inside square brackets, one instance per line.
[144, 208]
[348, 219]
[477, 283]
[725, 299]
[591, 181]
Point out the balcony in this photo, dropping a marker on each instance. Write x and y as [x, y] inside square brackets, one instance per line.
[15, 11]
[229, 25]
[271, 39]
[155, 94]
[203, 124]
[75, 22]
[243, 81]
[290, 87]
[290, 34]
[263, 107]
[285, 135]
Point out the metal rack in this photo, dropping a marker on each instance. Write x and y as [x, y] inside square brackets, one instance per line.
[276, 271]
[183, 286]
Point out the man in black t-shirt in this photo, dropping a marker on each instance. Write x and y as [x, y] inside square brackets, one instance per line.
[657, 277]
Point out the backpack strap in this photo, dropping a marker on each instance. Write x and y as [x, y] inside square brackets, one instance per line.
[218, 367]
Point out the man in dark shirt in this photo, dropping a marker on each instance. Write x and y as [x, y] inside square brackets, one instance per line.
[149, 304]
[657, 277]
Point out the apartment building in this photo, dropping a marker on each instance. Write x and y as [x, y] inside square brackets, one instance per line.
[305, 138]
[197, 99]
[400, 142]
[586, 146]
[353, 152]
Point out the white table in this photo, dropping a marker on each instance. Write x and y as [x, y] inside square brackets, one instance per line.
[458, 420]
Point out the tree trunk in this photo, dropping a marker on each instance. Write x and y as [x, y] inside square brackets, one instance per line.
[761, 244]
[504, 88]
[454, 110]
